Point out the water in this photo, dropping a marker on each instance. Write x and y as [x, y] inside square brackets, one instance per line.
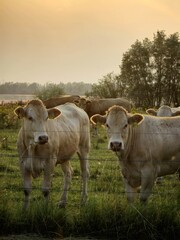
[15, 97]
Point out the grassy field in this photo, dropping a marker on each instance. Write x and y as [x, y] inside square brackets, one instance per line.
[106, 215]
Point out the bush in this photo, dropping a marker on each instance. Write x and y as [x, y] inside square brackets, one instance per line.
[7, 117]
[49, 90]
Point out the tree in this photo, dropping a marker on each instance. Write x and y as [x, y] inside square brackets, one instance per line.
[18, 88]
[108, 87]
[158, 51]
[49, 90]
[150, 71]
[172, 70]
[136, 73]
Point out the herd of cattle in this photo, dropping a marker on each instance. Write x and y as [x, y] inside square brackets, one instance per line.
[52, 131]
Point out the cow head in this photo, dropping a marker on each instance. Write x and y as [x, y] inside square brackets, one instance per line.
[117, 122]
[83, 103]
[35, 117]
[163, 111]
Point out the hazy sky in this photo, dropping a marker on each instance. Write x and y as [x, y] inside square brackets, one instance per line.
[76, 40]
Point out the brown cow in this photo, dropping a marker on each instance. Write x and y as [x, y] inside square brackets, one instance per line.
[93, 106]
[101, 105]
[56, 101]
[43, 142]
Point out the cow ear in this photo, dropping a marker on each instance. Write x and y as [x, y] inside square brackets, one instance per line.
[20, 112]
[97, 118]
[176, 114]
[151, 111]
[135, 119]
[53, 113]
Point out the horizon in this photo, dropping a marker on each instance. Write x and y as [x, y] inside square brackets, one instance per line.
[65, 41]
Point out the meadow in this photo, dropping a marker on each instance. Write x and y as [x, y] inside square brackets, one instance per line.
[106, 214]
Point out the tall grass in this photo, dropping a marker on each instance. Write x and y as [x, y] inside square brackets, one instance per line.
[106, 214]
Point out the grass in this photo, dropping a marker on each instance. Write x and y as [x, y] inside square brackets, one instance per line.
[106, 214]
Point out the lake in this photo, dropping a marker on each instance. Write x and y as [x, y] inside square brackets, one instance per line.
[15, 97]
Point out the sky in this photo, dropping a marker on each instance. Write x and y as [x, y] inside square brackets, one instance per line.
[53, 41]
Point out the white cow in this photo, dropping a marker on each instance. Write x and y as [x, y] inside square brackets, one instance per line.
[50, 137]
[147, 147]
[164, 111]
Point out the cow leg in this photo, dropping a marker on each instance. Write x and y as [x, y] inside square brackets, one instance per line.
[130, 191]
[27, 188]
[94, 130]
[46, 186]
[67, 170]
[83, 156]
[147, 182]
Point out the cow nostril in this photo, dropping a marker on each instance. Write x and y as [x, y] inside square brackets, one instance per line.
[43, 139]
[116, 146]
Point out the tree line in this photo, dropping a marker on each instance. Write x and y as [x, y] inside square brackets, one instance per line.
[47, 90]
[149, 73]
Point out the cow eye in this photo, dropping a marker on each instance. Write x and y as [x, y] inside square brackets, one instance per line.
[30, 118]
[107, 125]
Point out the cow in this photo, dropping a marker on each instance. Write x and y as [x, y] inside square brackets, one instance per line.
[53, 102]
[147, 147]
[101, 105]
[164, 111]
[49, 137]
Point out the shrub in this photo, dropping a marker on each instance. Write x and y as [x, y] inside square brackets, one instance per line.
[7, 117]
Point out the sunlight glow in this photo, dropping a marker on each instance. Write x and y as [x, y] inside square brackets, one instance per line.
[160, 6]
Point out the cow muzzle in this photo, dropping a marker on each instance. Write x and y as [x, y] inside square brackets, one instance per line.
[116, 146]
[42, 139]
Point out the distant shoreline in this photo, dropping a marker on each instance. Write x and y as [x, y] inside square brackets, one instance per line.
[15, 97]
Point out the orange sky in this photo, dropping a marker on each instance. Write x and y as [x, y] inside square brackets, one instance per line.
[76, 40]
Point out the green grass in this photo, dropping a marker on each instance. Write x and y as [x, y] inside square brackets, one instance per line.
[106, 214]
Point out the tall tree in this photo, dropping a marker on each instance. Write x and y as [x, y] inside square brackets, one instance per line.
[150, 71]
[136, 73]
[172, 70]
[158, 60]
